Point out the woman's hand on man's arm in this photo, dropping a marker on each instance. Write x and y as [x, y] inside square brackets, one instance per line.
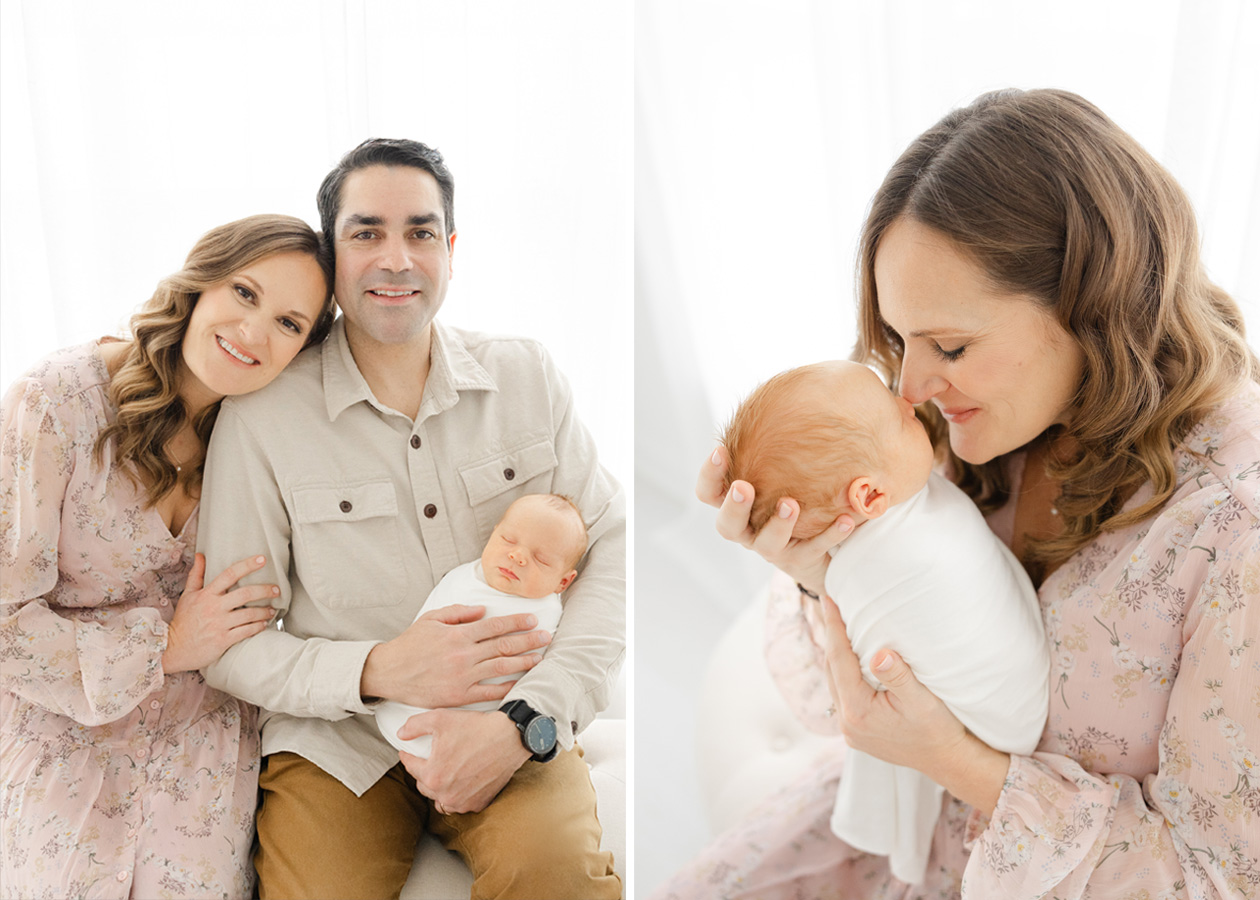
[805, 560]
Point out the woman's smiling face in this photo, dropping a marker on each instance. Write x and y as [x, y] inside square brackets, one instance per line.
[998, 366]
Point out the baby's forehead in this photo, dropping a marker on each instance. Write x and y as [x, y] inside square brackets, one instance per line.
[848, 387]
[536, 512]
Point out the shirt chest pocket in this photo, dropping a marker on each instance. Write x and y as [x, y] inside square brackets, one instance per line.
[348, 550]
[494, 482]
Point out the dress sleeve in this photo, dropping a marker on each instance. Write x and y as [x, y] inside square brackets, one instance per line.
[795, 657]
[91, 671]
[1190, 829]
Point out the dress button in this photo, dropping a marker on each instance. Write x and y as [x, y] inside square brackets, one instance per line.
[164, 602]
[131, 832]
[155, 705]
[415, 442]
[346, 506]
[430, 511]
[142, 753]
[509, 474]
[122, 876]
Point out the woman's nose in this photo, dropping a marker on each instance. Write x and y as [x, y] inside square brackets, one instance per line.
[251, 328]
[919, 382]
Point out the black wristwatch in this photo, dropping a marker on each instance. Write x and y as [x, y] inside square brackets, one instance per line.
[538, 732]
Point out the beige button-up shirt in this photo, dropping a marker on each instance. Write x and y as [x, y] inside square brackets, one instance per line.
[360, 512]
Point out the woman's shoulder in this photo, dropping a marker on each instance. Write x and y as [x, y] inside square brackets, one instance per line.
[1224, 449]
[62, 380]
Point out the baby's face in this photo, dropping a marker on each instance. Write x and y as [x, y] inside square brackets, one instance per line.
[530, 553]
[905, 448]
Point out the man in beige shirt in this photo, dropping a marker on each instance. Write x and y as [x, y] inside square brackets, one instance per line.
[376, 463]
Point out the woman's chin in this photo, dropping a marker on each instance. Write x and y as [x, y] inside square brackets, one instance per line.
[969, 452]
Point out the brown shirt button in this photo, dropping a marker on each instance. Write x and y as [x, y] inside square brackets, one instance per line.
[509, 474]
[346, 506]
[430, 511]
[415, 442]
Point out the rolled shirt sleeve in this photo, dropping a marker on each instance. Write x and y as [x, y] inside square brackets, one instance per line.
[575, 679]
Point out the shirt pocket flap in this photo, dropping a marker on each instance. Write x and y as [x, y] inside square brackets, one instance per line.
[489, 478]
[351, 503]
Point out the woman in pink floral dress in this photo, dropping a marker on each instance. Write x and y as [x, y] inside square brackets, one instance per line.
[122, 774]
[1032, 272]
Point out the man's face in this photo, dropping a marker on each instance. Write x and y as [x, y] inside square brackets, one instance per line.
[393, 253]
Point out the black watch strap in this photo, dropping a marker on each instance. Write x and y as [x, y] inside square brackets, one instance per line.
[538, 732]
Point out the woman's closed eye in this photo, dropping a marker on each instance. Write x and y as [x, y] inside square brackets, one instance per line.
[949, 355]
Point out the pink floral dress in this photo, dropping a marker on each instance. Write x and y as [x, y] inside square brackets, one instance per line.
[1146, 783]
[116, 780]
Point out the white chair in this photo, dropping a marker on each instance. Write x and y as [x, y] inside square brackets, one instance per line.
[438, 874]
[748, 742]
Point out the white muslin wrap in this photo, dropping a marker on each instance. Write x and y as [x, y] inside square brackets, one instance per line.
[465, 585]
[929, 580]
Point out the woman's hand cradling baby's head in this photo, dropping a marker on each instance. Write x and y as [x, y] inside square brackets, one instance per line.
[804, 559]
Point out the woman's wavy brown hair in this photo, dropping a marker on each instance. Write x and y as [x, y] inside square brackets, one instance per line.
[1053, 200]
[145, 389]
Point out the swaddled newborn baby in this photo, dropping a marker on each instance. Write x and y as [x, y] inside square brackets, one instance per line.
[921, 575]
[530, 558]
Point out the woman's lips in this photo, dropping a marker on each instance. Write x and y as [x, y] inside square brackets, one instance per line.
[234, 352]
[961, 415]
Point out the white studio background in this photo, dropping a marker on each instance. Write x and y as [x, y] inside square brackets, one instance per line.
[130, 128]
[762, 130]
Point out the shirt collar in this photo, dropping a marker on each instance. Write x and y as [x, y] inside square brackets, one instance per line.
[452, 368]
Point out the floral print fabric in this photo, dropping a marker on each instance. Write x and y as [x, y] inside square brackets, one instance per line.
[1146, 783]
[116, 780]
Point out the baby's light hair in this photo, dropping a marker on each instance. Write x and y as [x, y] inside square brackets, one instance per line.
[783, 443]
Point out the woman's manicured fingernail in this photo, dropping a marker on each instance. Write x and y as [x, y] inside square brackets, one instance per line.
[715, 459]
[736, 495]
[883, 664]
[785, 511]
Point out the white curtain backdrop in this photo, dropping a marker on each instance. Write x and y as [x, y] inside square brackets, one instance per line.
[762, 130]
[130, 128]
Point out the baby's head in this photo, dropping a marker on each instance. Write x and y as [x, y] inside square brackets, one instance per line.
[534, 550]
[832, 437]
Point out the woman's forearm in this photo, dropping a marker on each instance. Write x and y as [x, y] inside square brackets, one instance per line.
[973, 772]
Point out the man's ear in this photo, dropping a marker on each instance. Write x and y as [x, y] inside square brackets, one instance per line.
[567, 580]
[450, 254]
[866, 497]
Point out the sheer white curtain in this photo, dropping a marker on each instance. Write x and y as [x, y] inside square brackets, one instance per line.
[762, 130]
[130, 128]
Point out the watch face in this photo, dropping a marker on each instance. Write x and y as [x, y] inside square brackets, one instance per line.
[540, 735]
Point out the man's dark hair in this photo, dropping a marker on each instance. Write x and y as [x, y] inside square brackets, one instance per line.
[385, 152]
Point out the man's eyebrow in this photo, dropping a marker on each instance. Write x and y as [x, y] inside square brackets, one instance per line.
[360, 219]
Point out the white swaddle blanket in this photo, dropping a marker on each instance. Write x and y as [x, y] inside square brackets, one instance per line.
[467, 585]
[929, 580]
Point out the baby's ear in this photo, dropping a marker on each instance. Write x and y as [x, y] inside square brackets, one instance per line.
[866, 497]
[566, 581]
